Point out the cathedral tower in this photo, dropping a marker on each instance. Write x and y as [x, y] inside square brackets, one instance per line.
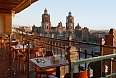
[46, 24]
[70, 23]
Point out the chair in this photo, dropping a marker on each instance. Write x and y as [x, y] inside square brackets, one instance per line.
[48, 53]
[14, 43]
[38, 51]
[24, 63]
[2, 41]
[39, 43]
[20, 54]
[82, 74]
[13, 39]
[5, 43]
[22, 42]
[8, 47]
[45, 71]
[32, 53]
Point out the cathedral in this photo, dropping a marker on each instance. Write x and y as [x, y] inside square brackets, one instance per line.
[61, 32]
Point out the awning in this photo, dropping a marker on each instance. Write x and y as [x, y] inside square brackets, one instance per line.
[7, 6]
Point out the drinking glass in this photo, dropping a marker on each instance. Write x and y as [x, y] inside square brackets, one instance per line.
[18, 44]
[43, 54]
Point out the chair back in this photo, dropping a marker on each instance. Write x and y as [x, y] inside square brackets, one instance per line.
[38, 52]
[22, 42]
[14, 43]
[38, 49]
[13, 39]
[39, 43]
[82, 74]
[48, 53]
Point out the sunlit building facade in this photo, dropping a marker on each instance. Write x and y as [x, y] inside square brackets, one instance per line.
[60, 31]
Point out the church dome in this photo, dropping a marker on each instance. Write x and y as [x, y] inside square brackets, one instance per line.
[78, 26]
[45, 11]
[60, 24]
[70, 14]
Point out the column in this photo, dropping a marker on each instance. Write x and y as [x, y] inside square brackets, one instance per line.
[6, 23]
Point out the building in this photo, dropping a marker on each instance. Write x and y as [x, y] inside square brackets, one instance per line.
[97, 34]
[25, 29]
[62, 32]
[6, 20]
[85, 34]
[78, 32]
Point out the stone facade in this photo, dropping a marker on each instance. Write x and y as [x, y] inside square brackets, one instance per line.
[60, 31]
[78, 32]
[111, 41]
[85, 34]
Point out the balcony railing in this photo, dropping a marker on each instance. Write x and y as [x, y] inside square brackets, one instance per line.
[87, 52]
[78, 62]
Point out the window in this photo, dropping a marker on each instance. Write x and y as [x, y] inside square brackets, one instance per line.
[47, 27]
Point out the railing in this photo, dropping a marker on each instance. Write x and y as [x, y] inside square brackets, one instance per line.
[85, 50]
[92, 60]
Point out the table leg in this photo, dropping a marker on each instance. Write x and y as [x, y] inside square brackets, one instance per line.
[58, 72]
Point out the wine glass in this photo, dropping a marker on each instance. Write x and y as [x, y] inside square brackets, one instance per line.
[43, 54]
[18, 44]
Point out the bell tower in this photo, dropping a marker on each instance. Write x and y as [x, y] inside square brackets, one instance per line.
[46, 24]
[70, 22]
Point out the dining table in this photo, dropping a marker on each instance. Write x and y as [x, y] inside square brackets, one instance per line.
[50, 63]
[23, 48]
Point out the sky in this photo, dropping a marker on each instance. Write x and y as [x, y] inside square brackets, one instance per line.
[93, 14]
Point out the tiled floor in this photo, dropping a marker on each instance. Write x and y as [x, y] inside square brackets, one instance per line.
[4, 65]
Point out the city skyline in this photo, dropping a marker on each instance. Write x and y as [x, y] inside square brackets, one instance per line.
[91, 14]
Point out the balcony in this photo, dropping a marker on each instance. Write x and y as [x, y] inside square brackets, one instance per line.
[91, 58]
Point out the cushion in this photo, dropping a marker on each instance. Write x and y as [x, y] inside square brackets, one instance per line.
[47, 71]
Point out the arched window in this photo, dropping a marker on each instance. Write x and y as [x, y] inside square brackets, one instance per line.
[47, 27]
